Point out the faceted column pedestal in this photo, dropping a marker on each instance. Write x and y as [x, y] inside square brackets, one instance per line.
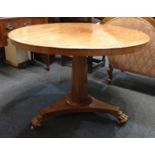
[78, 100]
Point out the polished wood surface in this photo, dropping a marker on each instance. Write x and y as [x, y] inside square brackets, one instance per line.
[79, 40]
[95, 39]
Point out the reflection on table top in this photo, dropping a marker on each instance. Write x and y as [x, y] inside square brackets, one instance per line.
[78, 39]
[82, 35]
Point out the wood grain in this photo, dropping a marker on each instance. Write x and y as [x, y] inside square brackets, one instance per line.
[74, 38]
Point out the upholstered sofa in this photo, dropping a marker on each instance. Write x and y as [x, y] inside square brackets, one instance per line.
[140, 62]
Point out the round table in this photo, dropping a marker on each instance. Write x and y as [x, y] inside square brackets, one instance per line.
[79, 40]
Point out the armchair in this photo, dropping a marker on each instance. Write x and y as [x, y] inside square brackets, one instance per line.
[141, 62]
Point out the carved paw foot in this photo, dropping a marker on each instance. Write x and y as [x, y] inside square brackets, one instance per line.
[36, 122]
[109, 81]
[122, 118]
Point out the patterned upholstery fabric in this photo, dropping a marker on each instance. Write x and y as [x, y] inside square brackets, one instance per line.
[142, 61]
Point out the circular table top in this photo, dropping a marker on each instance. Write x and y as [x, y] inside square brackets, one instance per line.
[77, 39]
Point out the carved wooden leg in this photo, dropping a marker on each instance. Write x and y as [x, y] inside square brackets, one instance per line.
[90, 64]
[110, 70]
[100, 106]
[47, 62]
[52, 110]
[63, 59]
[32, 61]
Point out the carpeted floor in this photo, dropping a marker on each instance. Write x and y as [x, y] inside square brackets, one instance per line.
[23, 92]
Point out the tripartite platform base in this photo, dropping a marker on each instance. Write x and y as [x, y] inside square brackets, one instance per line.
[64, 107]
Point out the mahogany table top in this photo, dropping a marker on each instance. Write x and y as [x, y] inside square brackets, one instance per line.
[77, 39]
